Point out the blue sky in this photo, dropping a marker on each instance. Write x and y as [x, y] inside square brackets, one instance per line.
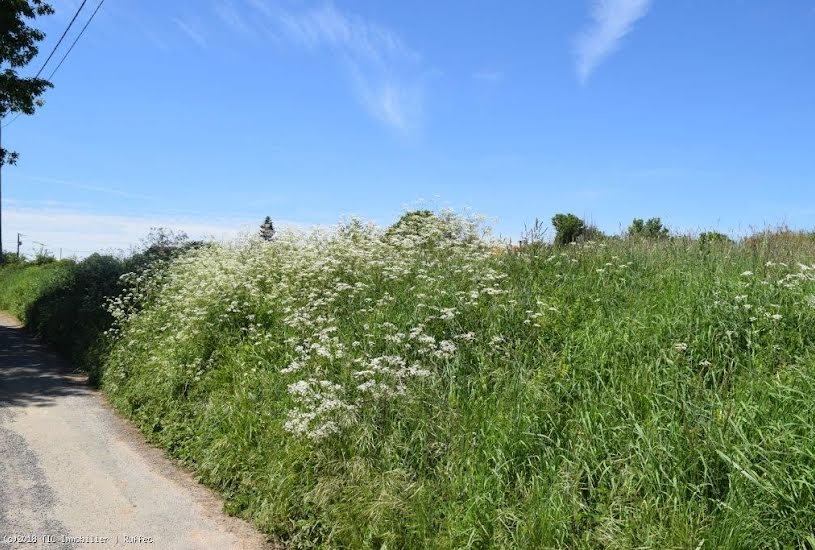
[209, 115]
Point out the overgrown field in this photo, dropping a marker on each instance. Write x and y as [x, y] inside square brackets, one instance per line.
[419, 388]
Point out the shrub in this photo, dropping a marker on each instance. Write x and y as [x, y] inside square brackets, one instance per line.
[161, 245]
[591, 233]
[43, 257]
[708, 237]
[425, 228]
[568, 228]
[651, 229]
[11, 258]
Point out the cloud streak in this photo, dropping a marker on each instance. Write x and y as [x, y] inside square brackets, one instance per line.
[226, 12]
[95, 188]
[611, 21]
[192, 30]
[385, 73]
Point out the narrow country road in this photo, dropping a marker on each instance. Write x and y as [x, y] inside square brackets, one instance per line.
[75, 475]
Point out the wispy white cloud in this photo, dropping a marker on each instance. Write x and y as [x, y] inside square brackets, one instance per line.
[87, 187]
[192, 28]
[384, 71]
[394, 102]
[155, 39]
[352, 34]
[229, 14]
[611, 21]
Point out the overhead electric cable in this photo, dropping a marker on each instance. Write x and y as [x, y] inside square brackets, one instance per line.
[61, 38]
[78, 36]
[61, 61]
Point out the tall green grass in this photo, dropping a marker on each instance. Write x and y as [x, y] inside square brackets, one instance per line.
[417, 388]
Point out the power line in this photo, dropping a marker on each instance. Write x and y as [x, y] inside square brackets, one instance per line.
[61, 38]
[53, 51]
[12, 120]
[88, 22]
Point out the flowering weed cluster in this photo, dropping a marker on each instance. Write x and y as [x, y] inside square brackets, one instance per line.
[413, 388]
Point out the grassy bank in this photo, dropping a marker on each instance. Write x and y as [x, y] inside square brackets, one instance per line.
[417, 389]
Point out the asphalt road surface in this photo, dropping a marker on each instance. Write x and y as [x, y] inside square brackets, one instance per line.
[73, 474]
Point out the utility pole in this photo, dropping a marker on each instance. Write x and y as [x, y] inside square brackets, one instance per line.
[19, 242]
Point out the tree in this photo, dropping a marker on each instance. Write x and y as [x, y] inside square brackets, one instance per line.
[652, 229]
[18, 46]
[267, 229]
[160, 245]
[568, 228]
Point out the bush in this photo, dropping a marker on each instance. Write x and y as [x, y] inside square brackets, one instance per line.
[591, 233]
[651, 229]
[568, 228]
[709, 237]
[161, 246]
[10, 258]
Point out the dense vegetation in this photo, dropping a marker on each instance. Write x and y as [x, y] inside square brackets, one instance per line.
[64, 302]
[421, 387]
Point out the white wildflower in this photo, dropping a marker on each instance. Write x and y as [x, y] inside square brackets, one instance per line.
[294, 366]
